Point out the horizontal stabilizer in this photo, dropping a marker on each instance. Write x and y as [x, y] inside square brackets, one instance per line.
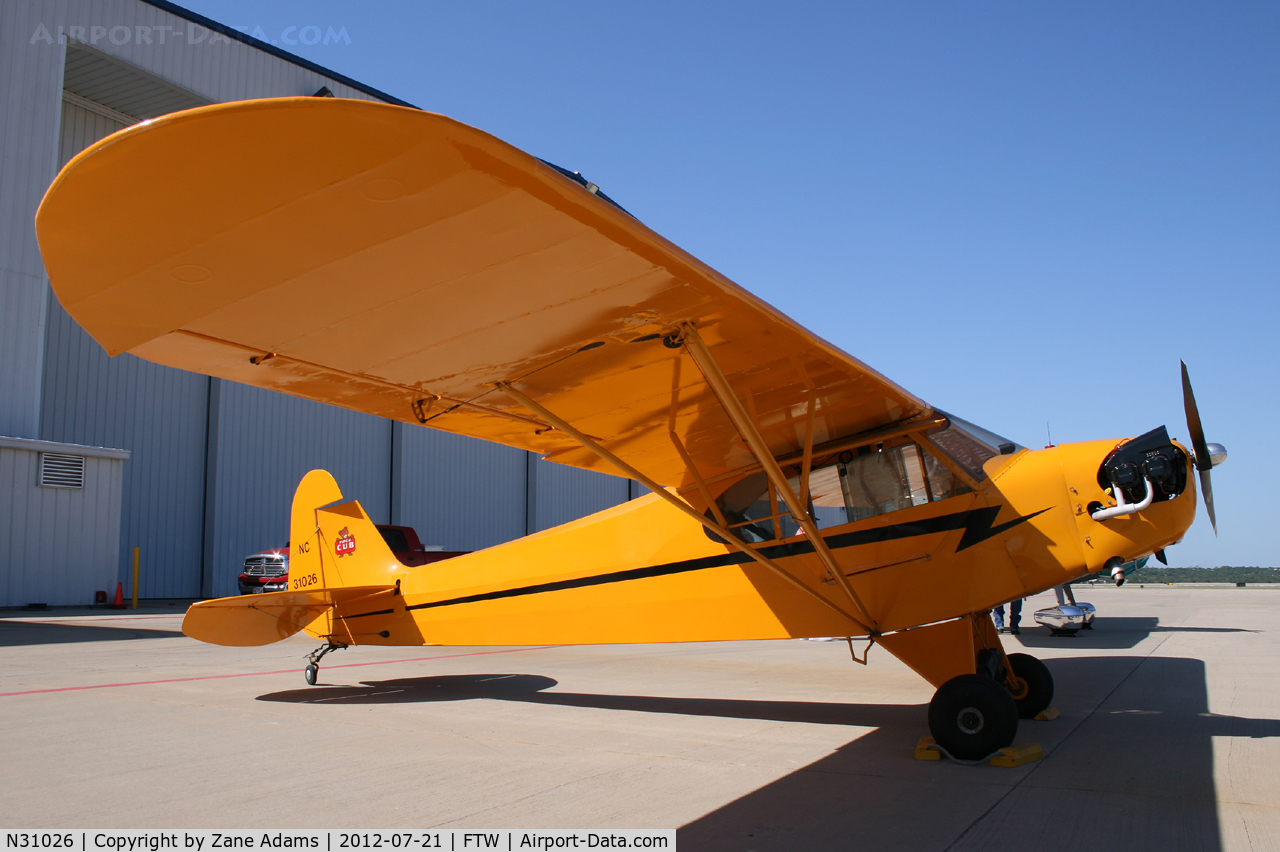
[262, 619]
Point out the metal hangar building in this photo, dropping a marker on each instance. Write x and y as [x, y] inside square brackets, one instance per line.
[100, 455]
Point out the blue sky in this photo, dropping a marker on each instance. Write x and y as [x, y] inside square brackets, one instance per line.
[1024, 213]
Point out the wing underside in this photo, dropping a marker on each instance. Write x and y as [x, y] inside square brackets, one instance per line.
[402, 264]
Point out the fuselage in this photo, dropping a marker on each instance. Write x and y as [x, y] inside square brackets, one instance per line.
[965, 534]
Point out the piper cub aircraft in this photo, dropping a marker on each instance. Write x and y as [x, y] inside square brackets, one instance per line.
[399, 263]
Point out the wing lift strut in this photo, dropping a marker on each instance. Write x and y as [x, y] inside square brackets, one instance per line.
[687, 337]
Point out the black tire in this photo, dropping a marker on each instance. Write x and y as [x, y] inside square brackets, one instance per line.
[310, 673]
[972, 716]
[1039, 685]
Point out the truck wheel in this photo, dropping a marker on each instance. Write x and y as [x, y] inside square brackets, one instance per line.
[972, 716]
[1039, 685]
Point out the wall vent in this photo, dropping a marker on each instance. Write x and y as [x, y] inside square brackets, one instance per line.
[59, 471]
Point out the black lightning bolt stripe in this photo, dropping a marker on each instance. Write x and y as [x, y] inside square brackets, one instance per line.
[976, 523]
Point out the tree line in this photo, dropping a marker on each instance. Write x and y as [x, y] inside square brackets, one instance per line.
[1157, 573]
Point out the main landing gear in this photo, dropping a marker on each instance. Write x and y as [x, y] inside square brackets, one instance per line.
[1038, 694]
[975, 715]
[312, 671]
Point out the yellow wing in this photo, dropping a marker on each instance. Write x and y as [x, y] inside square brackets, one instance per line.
[399, 263]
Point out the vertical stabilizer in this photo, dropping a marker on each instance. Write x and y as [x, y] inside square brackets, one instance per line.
[337, 558]
[318, 488]
[335, 546]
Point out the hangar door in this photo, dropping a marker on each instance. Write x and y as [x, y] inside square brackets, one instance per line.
[157, 413]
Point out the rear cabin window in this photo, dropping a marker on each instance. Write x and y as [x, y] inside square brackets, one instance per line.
[853, 486]
[752, 510]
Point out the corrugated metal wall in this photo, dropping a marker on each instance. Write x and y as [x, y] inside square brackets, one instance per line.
[467, 494]
[261, 444]
[57, 545]
[159, 414]
[215, 463]
[459, 492]
[156, 412]
[565, 494]
[30, 100]
[81, 127]
[162, 414]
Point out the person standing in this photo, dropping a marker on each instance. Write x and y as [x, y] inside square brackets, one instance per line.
[1015, 617]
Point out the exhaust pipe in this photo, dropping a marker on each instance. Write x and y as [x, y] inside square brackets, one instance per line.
[1122, 508]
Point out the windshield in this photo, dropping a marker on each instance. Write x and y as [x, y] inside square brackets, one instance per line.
[991, 439]
[969, 445]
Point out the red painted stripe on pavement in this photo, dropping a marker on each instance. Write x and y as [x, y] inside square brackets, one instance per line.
[86, 619]
[281, 671]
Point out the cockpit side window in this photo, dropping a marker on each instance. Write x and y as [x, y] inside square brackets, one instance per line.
[850, 486]
[883, 481]
[942, 482]
[826, 496]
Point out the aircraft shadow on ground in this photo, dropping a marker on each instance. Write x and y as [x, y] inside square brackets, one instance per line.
[531, 689]
[16, 633]
[1109, 632]
[1134, 773]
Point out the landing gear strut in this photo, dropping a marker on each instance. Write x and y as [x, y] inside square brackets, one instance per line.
[1039, 685]
[312, 671]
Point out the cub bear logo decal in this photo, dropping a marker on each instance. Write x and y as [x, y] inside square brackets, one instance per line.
[346, 543]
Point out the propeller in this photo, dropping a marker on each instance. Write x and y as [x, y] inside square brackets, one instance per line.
[1204, 457]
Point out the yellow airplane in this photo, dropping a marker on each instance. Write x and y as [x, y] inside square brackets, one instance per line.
[402, 264]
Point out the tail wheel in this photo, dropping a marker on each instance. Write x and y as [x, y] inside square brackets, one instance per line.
[1039, 693]
[972, 716]
[310, 673]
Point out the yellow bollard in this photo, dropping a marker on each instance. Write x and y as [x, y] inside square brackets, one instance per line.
[136, 549]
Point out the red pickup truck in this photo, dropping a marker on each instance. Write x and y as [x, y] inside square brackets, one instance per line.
[268, 571]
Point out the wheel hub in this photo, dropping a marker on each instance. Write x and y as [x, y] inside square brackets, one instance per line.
[970, 720]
